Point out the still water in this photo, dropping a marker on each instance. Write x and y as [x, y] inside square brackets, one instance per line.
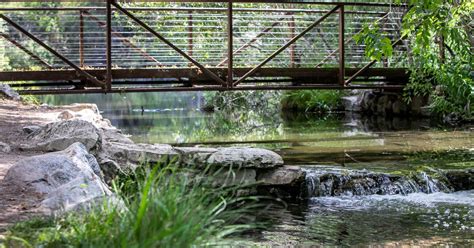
[345, 143]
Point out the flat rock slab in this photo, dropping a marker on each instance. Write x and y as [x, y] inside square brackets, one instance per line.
[140, 153]
[238, 157]
[286, 175]
[67, 179]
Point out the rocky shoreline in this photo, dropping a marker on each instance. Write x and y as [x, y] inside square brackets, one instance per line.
[56, 159]
[66, 160]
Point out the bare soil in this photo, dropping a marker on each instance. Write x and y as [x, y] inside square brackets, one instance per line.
[17, 203]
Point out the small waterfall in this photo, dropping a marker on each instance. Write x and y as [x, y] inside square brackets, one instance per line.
[329, 181]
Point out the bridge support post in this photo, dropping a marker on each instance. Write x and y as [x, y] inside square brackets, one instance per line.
[81, 39]
[291, 25]
[230, 45]
[108, 77]
[342, 63]
[190, 34]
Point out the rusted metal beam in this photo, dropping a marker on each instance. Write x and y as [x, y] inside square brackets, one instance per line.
[167, 42]
[249, 43]
[291, 25]
[260, 82]
[211, 88]
[26, 50]
[91, 78]
[230, 45]
[124, 39]
[81, 39]
[190, 33]
[347, 42]
[370, 64]
[369, 4]
[108, 76]
[193, 73]
[342, 62]
[281, 49]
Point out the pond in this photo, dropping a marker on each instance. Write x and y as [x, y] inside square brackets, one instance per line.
[345, 144]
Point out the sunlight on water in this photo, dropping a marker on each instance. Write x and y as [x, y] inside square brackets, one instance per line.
[338, 144]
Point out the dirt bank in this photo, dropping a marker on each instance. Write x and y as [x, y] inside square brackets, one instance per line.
[16, 203]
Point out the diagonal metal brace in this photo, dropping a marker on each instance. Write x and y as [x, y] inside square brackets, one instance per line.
[332, 54]
[289, 43]
[254, 39]
[93, 80]
[370, 64]
[167, 42]
[26, 50]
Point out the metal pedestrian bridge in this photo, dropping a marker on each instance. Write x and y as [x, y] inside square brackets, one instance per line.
[113, 46]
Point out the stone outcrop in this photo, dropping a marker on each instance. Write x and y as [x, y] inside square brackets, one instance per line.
[329, 181]
[31, 129]
[385, 103]
[284, 182]
[5, 148]
[9, 93]
[116, 154]
[286, 175]
[129, 156]
[68, 179]
[58, 136]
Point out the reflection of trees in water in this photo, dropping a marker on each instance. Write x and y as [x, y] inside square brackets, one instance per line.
[173, 118]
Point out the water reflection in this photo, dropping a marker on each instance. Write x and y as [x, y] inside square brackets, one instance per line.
[376, 143]
[175, 118]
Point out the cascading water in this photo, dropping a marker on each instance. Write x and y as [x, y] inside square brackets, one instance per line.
[330, 181]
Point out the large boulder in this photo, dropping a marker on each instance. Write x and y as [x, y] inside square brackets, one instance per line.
[8, 92]
[241, 157]
[67, 179]
[58, 136]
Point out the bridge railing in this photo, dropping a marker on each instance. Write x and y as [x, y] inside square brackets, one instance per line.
[228, 42]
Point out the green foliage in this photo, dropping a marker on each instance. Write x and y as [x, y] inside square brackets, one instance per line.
[433, 28]
[430, 25]
[378, 45]
[313, 100]
[170, 209]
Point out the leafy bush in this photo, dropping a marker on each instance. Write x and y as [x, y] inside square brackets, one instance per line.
[313, 100]
[440, 53]
[164, 207]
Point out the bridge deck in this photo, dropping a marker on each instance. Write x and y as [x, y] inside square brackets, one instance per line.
[196, 45]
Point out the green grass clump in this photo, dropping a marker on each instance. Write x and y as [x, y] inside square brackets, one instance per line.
[164, 207]
[312, 100]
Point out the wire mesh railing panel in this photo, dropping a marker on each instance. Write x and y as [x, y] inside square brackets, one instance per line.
[195, 36]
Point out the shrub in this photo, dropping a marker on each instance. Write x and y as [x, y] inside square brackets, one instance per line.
[164, 207]
[313, 100]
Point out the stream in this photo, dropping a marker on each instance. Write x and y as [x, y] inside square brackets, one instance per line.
[372, 181]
